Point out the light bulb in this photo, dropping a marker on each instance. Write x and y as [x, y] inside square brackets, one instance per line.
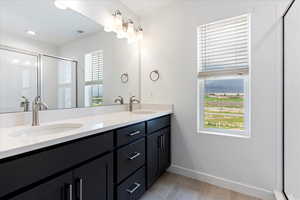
[140, 34]
[130, 29]
[61, 4]
[118, 21]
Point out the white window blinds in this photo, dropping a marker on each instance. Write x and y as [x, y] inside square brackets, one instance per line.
[223, 47]
[94, 68]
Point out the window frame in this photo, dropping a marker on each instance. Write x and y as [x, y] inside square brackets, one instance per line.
[92, 82]
[246, 133]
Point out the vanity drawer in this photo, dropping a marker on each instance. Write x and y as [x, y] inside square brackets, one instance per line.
[157, 124]
[130, 133]
[134, 187]
[32, 167]
[130, 158]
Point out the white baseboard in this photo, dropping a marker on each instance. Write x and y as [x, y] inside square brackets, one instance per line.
[224, 183]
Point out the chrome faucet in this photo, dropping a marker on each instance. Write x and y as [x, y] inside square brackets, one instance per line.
[37, 105]
[132, 100]
[25, 104]
[119, 100]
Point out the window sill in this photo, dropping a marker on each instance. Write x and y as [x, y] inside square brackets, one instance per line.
[236, 135]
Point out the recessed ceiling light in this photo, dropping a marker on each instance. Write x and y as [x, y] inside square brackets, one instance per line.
[15, 61]
[29, 32]
[61, 4]
[27, 63]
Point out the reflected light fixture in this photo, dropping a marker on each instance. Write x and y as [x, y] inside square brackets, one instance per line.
[140, 33]
[130, 28]
[118, 21]
[123, 28]
[29, 32]
[61, 4]
[27, 63]
[15, 61]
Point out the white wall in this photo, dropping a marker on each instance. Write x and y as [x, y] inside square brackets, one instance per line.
[251, 165]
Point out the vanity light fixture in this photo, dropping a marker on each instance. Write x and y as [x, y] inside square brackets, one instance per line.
[29, 32]
[61, 4]
[123, 28]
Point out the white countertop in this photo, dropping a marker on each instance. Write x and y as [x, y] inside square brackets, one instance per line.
[12, 144]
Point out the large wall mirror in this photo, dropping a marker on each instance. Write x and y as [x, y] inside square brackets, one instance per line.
[63, 56]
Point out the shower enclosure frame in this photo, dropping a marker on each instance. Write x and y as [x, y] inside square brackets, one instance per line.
[283, 97]
[40, 67]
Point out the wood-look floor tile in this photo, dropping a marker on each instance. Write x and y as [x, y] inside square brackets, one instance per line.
[174, 187]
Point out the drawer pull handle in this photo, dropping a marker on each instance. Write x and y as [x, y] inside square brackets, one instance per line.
[137, 186]
[79, 189]
[69, 191]
[136, 155]
[135, 133]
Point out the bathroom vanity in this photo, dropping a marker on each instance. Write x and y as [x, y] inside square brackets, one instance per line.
[120, 164]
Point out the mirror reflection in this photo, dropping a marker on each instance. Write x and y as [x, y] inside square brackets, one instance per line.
[63, 56]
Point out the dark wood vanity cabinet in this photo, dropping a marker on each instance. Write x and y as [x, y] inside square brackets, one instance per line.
[92, 181]
[158, 154]
[59, 188]
[116, 165]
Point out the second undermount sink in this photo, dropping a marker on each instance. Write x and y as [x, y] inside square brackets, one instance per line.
[143, 112]
[46, 129]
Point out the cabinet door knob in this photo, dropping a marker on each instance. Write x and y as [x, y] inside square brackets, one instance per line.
[135, 133]
[69, 191]
[136, 186]
[136, 155]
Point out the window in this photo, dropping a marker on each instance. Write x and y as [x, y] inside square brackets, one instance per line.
[94, 78]
[223, 76]
[66, 76]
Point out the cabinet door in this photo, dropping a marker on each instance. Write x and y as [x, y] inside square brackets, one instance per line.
[94, 181]
[153, 148]
[164, 150]
[59, 189]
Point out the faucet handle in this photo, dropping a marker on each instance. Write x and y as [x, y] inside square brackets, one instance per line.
[37, 99]
[132, 98]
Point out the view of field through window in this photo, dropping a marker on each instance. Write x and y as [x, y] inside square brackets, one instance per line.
[224, 104]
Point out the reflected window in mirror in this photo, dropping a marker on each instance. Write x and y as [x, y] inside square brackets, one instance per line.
[59, 82]
[94, 67]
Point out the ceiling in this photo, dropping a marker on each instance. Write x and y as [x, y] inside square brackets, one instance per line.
[143, 7]
[140, 7]
[52, 25]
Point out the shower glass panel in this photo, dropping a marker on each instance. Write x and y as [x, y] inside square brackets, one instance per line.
[18, 80]
[58, 79]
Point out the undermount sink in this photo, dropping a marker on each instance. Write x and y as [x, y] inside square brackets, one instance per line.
[143, 112]
[46, 130]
